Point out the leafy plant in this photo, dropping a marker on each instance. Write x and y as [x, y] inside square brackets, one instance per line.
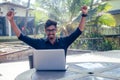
[107, 19]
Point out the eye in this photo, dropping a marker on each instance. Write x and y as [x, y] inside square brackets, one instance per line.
[50, 30]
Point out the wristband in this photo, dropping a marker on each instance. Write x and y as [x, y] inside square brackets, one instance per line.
[84, 15]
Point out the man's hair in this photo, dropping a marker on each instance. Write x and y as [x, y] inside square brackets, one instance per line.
[50, 22]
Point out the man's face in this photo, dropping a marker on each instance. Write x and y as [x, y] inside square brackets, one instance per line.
[51, 32]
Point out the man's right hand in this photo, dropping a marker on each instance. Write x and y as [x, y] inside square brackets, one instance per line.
[10, 15]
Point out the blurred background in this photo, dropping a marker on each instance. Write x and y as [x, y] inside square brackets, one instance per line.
[102, 26]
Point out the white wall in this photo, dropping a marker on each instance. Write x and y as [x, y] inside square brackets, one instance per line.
[19, 11]
[115, 4]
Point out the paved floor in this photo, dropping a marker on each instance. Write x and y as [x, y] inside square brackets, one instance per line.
[11, 47]
[8, 71]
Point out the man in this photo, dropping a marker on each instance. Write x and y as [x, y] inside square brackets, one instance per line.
[51, 42]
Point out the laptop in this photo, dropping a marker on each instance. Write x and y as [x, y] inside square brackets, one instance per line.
[50, 59]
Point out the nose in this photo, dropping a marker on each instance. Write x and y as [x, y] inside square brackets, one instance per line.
[51, 32]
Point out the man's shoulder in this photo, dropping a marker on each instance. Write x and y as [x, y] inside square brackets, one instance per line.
[43, 39]
[61, 38]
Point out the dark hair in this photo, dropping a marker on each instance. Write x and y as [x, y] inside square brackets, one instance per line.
[50, 22]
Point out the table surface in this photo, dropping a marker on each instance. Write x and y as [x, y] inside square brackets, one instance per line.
[77, 71]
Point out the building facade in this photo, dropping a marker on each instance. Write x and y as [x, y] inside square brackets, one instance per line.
[20, 13]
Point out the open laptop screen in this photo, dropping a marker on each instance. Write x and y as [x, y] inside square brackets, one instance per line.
[51, 59]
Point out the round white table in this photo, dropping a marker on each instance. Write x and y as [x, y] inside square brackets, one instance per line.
[76, 71]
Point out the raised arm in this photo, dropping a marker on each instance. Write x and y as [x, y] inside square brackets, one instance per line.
[72, 37]
[82, 21]
[35, 43]
[10, 17]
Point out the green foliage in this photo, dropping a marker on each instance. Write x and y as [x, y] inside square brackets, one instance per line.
[39, 16]
[107, 19]
[109, 44]
[77, 44]
[101, 17]
[75, 6]
[96, 42]
[94, 35]
[63, 11]
[115, 43]
[67, 14]
[8, 39]
[104, 7]
[106, 45]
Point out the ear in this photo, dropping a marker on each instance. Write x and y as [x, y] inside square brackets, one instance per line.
[45, 30]
[56, 29]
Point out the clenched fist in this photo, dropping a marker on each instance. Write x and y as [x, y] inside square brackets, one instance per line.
[84, 10]
[10, 15]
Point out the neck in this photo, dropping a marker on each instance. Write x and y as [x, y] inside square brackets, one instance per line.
[52, 41]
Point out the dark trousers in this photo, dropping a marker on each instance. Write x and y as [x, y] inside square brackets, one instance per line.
[30, 57]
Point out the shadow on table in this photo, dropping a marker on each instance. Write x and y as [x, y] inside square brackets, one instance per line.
[45, 75]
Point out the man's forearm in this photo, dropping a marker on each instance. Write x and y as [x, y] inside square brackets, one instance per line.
[82, 23]
[15, 28]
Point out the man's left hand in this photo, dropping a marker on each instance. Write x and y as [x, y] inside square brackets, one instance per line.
[84, 10]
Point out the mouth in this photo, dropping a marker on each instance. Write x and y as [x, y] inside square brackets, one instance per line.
[51, 36]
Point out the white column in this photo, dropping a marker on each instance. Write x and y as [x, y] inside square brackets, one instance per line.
[9, 29]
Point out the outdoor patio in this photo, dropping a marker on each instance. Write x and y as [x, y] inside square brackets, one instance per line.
[95, 55]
